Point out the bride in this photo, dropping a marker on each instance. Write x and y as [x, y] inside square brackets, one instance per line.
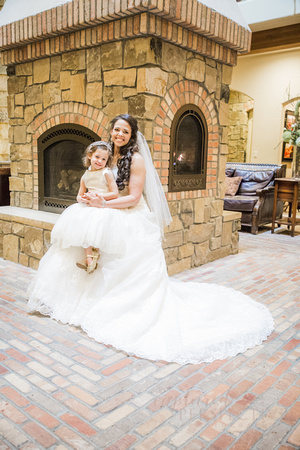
[129, 301]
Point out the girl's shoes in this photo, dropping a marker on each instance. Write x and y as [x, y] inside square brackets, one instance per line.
[93, 265]
[82, 264]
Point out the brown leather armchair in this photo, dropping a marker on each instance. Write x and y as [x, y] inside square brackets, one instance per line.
[255, 196]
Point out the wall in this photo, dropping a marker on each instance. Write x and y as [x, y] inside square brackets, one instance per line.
[270, 79]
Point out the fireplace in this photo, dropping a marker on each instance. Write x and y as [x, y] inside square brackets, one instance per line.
[60, 167]
[188, 150]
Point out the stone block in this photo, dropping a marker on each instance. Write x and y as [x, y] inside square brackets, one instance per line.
[47, 240]
[227, 233]
[173, 58]
[186, 250]
[222, 167]
[179, 266]
[111, 56]
[29, 113]
[16, 184]
[215, 242]
[219, 253]
[41, 71]
[55, 68]
[175, 225]
[186, 206]
[195, 70]
[6, 227]
[33, 263]
[129, 92]
[20, 136]
[94, 94]
[25, 151]
[174, 239]
[218, 226]
[116, 108]
[144, 106]
[28, 183]
[211, 79]
[152, 80]
[120, 77]
[24, 69]
[173, 207]
[224, 114]
[24, 166]
[26, 200]
[33, 94]
[73, 60]
[23, 259]
[19, 112]
[199, 210]
[187, 219]
[11, 248]
[65, 79]
[33, 242]
[226, 74]
[20, 99]
[171, 255]
[201, 254]
[217, 208]
[77, 88]
[93, 67]
[17, 229]
[138, 52]
[199, 233]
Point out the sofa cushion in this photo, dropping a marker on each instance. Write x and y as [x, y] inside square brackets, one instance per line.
[229, 172]
[232, 184]
[240, 203]
[253, 180]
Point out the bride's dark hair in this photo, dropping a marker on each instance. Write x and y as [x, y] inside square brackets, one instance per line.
[126, 151]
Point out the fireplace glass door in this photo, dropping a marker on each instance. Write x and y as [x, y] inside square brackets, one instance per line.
[188, 150]
[60, 153]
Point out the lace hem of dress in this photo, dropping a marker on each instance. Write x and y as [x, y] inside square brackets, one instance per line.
[223, 350]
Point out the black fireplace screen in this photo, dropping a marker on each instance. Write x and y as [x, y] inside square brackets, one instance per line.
[188, 150]
[60, 152]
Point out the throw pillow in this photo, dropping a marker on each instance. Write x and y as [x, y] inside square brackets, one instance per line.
[232, 184]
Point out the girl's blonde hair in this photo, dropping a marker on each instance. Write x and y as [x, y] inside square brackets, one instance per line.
[102, 145]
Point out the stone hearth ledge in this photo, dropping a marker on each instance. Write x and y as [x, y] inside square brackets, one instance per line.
[25, 234]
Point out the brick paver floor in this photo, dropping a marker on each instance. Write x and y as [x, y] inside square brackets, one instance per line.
[61, 390]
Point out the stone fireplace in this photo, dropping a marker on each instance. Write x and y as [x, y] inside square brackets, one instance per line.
[74, 67]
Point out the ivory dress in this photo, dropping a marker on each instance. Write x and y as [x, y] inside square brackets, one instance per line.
[129, 301]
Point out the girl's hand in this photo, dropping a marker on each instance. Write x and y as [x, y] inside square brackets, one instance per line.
[95, 200]
[82, 199]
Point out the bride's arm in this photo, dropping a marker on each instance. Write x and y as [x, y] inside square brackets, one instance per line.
[136, 184]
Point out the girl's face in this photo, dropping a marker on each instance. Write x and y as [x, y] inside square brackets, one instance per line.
[98, 159]
[121, 133]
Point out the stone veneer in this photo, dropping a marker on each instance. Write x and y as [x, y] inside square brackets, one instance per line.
[240, 106]
[147, 58]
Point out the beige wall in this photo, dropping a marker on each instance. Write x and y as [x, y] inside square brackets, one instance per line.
[271, 79]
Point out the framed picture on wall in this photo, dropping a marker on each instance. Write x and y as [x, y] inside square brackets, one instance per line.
[287, 148]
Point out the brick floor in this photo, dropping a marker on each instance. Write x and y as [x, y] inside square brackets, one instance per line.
[61, 390]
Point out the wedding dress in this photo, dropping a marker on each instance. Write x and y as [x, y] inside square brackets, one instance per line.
[129, 302]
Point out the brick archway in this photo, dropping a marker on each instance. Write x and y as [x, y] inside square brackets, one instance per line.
[68, 112]
[180, 94]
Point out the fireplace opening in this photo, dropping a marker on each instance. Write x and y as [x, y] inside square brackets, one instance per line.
[60, 167]
[188, 156]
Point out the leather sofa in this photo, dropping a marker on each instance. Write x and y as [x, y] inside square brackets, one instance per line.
[254, 197]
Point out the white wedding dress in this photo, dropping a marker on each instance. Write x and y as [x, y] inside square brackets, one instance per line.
[130, 302]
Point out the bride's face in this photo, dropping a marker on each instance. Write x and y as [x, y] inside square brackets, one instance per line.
[121, 133]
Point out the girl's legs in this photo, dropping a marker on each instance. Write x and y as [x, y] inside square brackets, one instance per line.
[90, 261]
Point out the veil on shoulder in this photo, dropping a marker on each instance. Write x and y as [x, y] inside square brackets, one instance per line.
[153, 189]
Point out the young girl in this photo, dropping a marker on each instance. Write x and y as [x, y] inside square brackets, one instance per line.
[99, 179]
